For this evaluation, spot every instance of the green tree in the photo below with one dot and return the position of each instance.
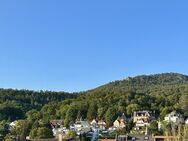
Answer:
(111, 116)
(70, 135)
(33, 115)
(8, 137)
(132, 108)
(33, 133)
(41, 133)
(71, 115)
(122, 131)
(3, 129)
(101, 112)
(92, 111)
(21, 129)
(153, 127)
(62, 111)
(164, 112)
(184, 104)
(129, 125)
(165, 127)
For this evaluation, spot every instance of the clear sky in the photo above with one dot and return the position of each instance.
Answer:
(75, 45)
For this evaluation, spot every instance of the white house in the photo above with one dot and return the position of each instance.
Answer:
(57, 128)
(59, 131)
(174, 117)
(82, 126)
(12, 125)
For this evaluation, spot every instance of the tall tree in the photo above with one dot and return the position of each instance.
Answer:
(111, 115)
(92, 111)
(184, 103)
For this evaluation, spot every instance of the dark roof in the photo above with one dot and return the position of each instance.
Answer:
(55, 123)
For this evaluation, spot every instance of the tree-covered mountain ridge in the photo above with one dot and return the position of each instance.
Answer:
(161, 93)
(145, 83)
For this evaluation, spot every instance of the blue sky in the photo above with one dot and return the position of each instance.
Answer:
(76, 45)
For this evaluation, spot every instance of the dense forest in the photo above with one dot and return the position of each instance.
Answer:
(14, 103)
(160, 93)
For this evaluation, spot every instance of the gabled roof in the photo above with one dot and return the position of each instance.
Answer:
(55, 123)
(122, 118)
(175, 113)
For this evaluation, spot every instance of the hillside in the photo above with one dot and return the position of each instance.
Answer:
(160, 93)
(15, 103)
(160, 89)
(146, 83)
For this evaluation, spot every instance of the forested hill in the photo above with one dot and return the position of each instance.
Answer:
(153, 92)
(161, 93)
(14, 103)
(145, 83)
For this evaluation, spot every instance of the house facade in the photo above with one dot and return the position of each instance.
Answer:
(82, 126)
(174, 117)
(57, 128)
(13, 124)
(120, 122)
(142, 118)
(101, 124)
(94, 123)
(56, 123)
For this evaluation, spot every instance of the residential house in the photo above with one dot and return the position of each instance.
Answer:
(82, 126)
(143, 118)
(174, 117)
(120, 122)
(57, 128)
(13, 124)
(101, 124)
(94, 123)
(56, 123)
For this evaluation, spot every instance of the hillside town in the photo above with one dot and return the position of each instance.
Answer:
(137, 127)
